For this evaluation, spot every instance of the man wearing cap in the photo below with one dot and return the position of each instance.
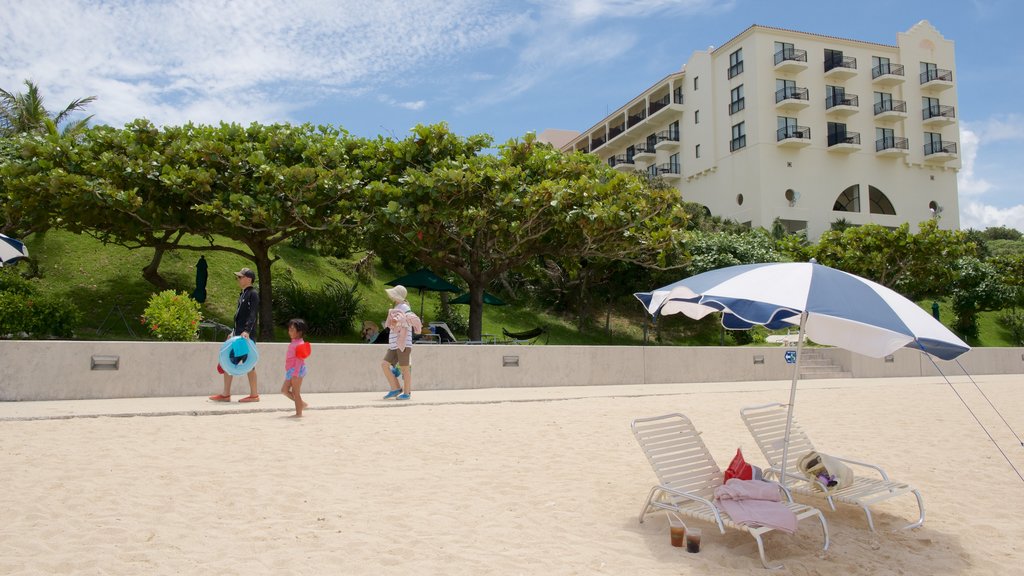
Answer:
(245, 326)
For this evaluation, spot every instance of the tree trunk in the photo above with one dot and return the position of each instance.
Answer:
(151, 271)
(476, 309)
(263, 262)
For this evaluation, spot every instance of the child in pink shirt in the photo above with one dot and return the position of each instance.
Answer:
(295, 364)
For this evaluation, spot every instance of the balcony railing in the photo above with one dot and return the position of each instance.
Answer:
(736, 69)
(936, 74)
(791, 93)
(841, 62)
(643, 148)
(668, 168)
(595, 143)
(737, 105)
(841, 100)
(891, 142)
(803, 132)
(937, 111)
(636, 118)
(737, 143)
(615, 131)
(883, 69)
(890, 106)
(620, 159)
(844, 138)
(658, 104)
(668, 136)
(939, 146)
(790, 54)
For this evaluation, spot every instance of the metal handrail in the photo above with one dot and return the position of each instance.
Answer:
(890, 106)
(636, 118)
(936, 74)
(802, 132)
(844, 62)
(841, 100)
(883, 69)
(891, 142)
(613, 132)
(641, 148)
(936, 111)
(844, 138)
(939, 146)
(790, 54)
(668, 168)
(794, 93)
(668, 135)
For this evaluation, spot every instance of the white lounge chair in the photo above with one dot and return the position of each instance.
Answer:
(688, 475)
(767, 424)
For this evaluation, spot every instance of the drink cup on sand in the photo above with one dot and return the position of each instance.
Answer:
(693, 540)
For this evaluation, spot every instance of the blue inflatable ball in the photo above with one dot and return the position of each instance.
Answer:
(238, 356)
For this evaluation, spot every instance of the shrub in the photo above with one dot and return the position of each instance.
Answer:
(1013, 322)
(457, 322)
(329, 311)
(173, 317)
(36, 316)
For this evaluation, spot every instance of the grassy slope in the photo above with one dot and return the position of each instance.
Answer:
(96, 277)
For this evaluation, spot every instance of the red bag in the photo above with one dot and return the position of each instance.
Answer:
(739, 468)
(303, 350)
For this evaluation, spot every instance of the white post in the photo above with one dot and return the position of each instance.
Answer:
(792, 396)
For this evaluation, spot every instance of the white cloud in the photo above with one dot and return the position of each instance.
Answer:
(258, 60)
(980, 216)
(586, 10)
(968, 183)
(412, 105)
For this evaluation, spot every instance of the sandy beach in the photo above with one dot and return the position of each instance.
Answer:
(499, 481)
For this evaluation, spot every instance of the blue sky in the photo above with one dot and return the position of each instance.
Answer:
(500, 67)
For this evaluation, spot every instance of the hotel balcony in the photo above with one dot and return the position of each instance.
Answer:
(937, 79)
(939, 151)
(792, 99)
(636, 119)
(892, 147)
(938, 115)
(890, 110)
(790, 60)
(621, 162)
(668, 171)
(844, 142)
(642, 152)
(666, 102)
(596, 143)
(840, 68)
(794, 136)
(667, 140)
(843, 105)
(887, 74)
(615, 131)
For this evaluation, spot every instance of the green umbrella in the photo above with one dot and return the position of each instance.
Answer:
(488, 299)
(424, 279)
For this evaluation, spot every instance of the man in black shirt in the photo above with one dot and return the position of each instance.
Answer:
(245, 326)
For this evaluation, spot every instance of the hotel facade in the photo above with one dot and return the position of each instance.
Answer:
(800, 127)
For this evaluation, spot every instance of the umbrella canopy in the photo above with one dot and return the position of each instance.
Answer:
(830, 306)
(424, 279)
(488, 299)
(11, 250)
(202, 276)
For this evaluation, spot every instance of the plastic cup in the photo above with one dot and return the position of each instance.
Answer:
(693, 540)
(677, 533)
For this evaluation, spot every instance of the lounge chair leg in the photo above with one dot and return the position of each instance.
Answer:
(871, 522)
(920, 507)
(647, 504)
(824, 530)
(760, 550)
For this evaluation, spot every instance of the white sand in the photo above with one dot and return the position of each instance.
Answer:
(527, 481)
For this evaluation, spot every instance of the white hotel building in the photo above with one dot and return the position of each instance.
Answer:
(801, 127)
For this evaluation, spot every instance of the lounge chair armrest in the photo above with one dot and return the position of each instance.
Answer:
(789, 495)
(711, 505)
(800, 478)
(865, 465)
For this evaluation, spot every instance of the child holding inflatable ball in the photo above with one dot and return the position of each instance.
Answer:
(295, 364)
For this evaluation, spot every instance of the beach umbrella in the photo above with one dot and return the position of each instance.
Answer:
(830, 307)
(488, 299)
(202, 275)
(424, 280)
(11, 250)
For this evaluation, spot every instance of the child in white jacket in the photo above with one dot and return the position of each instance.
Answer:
(402, 323)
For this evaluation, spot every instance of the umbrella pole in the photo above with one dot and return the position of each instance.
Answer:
(792, 396)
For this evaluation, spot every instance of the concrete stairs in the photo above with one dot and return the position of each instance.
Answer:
(815, 365)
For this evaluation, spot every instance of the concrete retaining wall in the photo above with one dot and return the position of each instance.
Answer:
(62, 370)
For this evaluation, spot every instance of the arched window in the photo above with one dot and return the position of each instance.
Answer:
(879, 202)
(849, 200)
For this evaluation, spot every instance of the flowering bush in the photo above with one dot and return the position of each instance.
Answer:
(172, 316)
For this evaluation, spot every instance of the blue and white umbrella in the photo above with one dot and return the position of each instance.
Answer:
(830, 307)
(11, 250)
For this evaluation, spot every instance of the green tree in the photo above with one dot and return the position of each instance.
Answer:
(481, 215)
(977, 288)
(712, 250)
(25, 112)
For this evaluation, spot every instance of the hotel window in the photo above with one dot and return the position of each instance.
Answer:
(929, 72)
(787, 128)
(677, 95)
(739, 137)
(736, 63)
(736, 102)
(833, 58)
(695, 79)
(696, 116)
(784, 89)
(784, 51)
(879, 66)
(673, 131)
(673, 163)
(652, 140)
(930, 106)
(885, 138)
(696, 151)
(932, 143)
(883, 102)
(834, 96)
(837, 133)
(630, 152)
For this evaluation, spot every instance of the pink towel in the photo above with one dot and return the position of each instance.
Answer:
(753, 502)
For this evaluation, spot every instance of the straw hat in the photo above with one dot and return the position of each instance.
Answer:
(398, 293)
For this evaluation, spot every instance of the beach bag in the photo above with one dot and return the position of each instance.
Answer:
(738, 468)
